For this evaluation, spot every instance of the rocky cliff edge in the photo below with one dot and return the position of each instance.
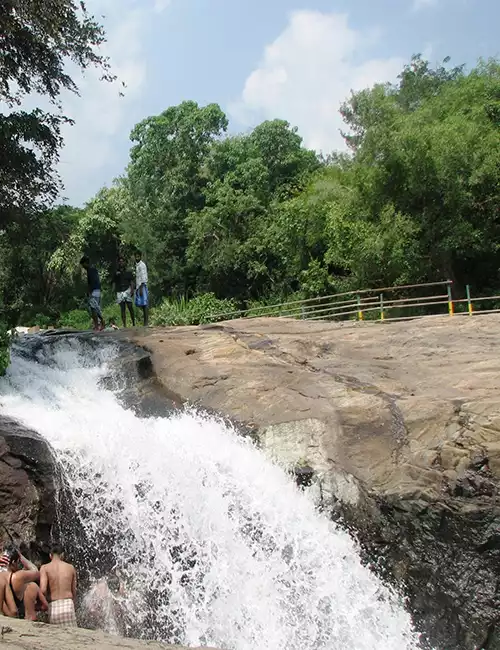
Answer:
(400, 423)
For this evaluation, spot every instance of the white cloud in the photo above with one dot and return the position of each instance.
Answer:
(161, 5)
(308, 71)
(101, 112)
(423, 4)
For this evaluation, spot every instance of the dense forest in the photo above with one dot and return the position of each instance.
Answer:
(230, 221)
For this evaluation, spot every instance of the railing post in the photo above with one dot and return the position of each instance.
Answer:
(450, 300)
(302, 312)
(469, 301)
(382, 315)
(360, 313)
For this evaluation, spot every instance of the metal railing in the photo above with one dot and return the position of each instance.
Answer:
(401, 302)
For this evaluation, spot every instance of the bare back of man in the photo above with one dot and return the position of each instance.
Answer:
(59, 578)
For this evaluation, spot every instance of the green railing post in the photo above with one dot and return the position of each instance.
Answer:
(450, 299)
(382, 315)
(469, 301)
(360, 313)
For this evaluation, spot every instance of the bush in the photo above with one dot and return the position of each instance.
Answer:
(78, 319)
(199, 310)
(43, 321)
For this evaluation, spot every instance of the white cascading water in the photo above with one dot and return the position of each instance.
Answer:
(216, 545)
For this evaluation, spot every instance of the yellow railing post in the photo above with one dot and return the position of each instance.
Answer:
(450, 300)
(382, 315)
(360, 313)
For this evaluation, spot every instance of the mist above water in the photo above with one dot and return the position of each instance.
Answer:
(215, 545)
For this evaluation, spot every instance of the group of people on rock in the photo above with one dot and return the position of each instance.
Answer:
(129, 289)
(26, 590)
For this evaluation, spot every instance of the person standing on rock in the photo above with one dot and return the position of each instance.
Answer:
(59, 577)
(141, 283)
(124, 287)
(94, 294)
(22, 576)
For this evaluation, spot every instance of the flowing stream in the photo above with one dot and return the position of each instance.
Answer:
(214, 544)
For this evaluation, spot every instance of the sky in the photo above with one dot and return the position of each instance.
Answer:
(258, 59)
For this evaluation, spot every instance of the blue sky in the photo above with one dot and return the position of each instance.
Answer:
(259, 59)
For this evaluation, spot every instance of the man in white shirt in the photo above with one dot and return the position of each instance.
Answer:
(141, 283)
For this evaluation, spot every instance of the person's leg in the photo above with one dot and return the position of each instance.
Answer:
(124, 314)
(100, 317)
(145, 315)
(30, 598)
(131, 310)
(95, 320)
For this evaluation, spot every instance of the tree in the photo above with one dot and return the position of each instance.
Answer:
(165, 181)
(97, 234)
(247, 178)
(37, 39)
(428, 149)
(30, 284)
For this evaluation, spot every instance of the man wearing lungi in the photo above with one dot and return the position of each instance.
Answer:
(59, 577)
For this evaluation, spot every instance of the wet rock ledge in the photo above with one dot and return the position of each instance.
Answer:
(400, 425)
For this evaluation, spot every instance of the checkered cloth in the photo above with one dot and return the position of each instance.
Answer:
(62, 612)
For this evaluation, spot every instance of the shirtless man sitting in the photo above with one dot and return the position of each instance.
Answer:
(22, 582)
(59, 578)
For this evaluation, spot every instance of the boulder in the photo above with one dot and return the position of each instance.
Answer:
(399, 422)
(27, 488)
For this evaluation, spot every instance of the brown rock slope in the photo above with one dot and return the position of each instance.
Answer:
(27, 487)
(401, 423)
(21, 635)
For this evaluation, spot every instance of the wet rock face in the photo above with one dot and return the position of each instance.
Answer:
(444, 556)
(27, 488)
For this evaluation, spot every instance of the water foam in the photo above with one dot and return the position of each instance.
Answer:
(216, 543)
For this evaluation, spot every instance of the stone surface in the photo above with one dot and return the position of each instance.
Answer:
(400, 422)
(21, 635)
(27, 488)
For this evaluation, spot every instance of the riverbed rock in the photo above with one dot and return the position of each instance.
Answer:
(20, 635)
(400, 423)
(27, 488)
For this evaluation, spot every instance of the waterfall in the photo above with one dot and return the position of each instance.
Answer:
(213, 543)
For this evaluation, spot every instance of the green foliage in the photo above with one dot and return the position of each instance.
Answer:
(165, 181)
(239, 222)
(4, 348)
(39, 39)
(77, 319)
(201, 309)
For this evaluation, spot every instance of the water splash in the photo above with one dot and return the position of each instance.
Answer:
(215, 544)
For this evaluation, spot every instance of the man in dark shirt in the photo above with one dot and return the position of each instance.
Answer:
(124, 287)
(94, 294)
